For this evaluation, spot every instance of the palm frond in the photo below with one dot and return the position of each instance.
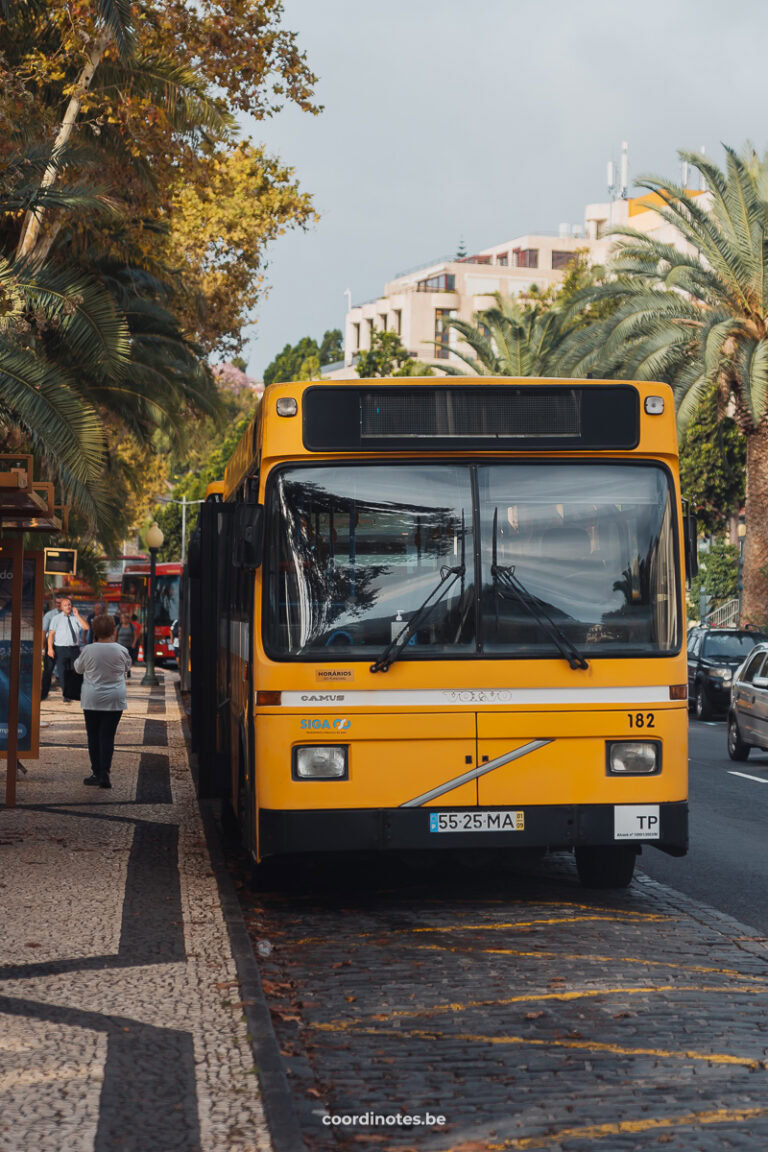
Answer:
(116, 15)
(174, 85)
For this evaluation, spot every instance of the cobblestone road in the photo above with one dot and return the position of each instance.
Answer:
(529, 1013)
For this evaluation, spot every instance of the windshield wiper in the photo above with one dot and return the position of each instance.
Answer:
(448, 577)
(504, 575)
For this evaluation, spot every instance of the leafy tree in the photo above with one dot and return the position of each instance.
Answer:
(718, 577)
(133, 223)
(310, 369)
(712, 458)
(287, 365)
(387, 357)
(143, 93)
(697, 316)
(192, 486)
(332, 346)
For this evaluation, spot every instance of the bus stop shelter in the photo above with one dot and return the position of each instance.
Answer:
(26, 507)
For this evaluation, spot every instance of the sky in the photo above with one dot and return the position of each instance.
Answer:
(446, 120)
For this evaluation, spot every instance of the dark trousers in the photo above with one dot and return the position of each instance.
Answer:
(65, 658)
(48, 663)
(101, 727)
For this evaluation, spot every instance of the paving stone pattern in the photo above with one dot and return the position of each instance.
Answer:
(121, 1026)
(530, 1013)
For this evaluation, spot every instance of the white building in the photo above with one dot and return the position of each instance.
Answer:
(416, 304)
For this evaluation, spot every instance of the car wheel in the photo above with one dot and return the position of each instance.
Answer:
(737, 749)
(606, 866)
(703, 707)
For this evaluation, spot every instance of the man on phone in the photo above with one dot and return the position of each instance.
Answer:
(65, 636)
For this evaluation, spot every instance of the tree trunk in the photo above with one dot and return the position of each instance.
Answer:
(33, 220)
(754, 605)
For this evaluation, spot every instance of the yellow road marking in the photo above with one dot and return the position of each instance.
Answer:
(524, 923)
(581, 1045)
(621, 1127)
(703, 968)
(530, 998)
(646, 917)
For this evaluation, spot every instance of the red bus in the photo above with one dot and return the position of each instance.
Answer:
(135, 587)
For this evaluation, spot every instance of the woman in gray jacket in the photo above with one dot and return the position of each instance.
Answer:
(104, 666)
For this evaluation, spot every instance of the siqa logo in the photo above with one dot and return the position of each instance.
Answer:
(317, 724)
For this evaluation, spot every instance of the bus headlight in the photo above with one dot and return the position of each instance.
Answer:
(633, 758)
(320, 762)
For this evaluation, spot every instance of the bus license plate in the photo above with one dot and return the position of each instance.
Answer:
(477, 821)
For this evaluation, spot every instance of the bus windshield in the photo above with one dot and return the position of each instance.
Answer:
(356, 548)
(167, 600)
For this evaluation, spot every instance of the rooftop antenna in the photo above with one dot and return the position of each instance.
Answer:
(684, 173)
(624, 177)
(610, 177)
(702, 179)
(461, 251)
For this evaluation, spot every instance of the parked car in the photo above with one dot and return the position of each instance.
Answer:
(748, 714)
(714, 654)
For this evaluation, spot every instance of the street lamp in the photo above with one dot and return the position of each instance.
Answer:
(154, 543)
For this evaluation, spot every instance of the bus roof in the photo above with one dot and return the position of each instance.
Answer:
(242, 457)
(385, 416)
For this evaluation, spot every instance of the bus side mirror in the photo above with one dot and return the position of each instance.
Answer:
(690, 541)
(249, 536)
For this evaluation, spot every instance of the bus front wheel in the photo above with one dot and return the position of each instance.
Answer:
(606, 866)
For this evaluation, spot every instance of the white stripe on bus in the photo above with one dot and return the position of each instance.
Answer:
(327, 697)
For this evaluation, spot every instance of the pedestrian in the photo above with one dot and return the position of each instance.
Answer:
(65, 636)
(99, 609)
(48, 660)
(104, 666)
(125, 636)
(136, 637)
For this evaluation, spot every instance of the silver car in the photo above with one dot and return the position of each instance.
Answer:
(748, 714)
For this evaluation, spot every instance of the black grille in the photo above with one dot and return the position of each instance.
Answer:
(486, 413)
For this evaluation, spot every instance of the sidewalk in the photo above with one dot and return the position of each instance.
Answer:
(122, 1027)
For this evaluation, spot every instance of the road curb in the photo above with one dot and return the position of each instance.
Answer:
(744, 936)
(276, 1095)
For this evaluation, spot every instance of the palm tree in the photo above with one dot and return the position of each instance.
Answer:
(509, 340)
(53, 323)
(174, 85)
(697, 315)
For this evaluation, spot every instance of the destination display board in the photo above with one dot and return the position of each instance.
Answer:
(61, 561)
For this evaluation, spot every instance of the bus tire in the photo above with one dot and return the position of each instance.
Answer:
(229, 825)
(606, 866)
(264, 876)
(737, 749)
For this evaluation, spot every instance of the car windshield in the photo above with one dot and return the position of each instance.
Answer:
(730, 645)
(355, 549)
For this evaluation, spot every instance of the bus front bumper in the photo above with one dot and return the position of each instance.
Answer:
(551, 826)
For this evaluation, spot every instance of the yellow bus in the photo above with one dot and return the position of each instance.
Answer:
(433, 615)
